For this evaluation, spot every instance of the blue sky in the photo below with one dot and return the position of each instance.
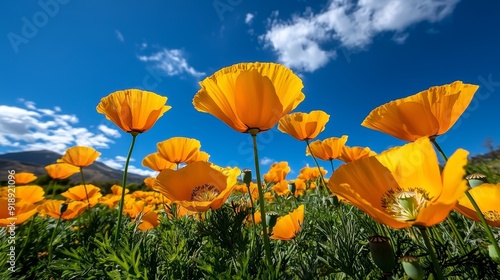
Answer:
(60, 57)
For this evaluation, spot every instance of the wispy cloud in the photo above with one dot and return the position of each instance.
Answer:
(119, 36)
(249, 18)
(172, 62)
(118, 163)
(305, 41)
(109, 131)
(32, 128)
(266, 161)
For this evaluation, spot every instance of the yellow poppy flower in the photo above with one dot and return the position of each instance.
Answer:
(80, 156)
(157, 162)
(249, 96)
(304, 126)
(487, 197)
(23, 178)
(431, 112)
(53, 208)
(179, 149)
(61, 170)
(277, 172)
(349, 154)
(289, 225)
(77, 193)
(133, 110)
(22, 212)
(403, 186)
(30, 194)
(328, 149)
(197, 186)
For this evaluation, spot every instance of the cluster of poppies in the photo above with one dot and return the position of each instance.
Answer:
(401, 187)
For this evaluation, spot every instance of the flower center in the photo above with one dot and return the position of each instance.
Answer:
(405, 204)
(492, 216)
(204, 192)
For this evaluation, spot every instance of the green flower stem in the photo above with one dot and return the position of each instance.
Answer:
(476, 207)
(251, 203)
(27, 237)
(124, 182)
(85, 187)
(331, 163)
(483, 221)
(267, 247)
(433, 140)
(430, 249)
(457, 235)
(317, 164)
(51, 184)
(52, 238)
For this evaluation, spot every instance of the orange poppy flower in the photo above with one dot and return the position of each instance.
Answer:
(61, 170)
(304, 126)
(179, 149)
(53, 209)
(197, 186)
(249, 96)
(328, 149)
(277, 172)
(309, 173)
(80, 156)
(117, 190)
(30, 194)
(157, 162)
(487, 197)
(349, 154)
(289, 225)
(281, 188)
(431, 112)
(133, 110)
(149, 221)
(23, 178)
(77, 193)
(403, 186)
(22, 212)
(149, 182)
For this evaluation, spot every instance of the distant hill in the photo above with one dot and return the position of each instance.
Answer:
(35, 162)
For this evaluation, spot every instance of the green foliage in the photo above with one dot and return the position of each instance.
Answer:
(223, 244)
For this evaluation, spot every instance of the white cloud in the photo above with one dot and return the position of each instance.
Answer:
(31, 128)
(249, 18)
(119, 36)
(266, 161)
(171, 62)
(109, 131)
(304, 42)
(142, 172)
(119, 162)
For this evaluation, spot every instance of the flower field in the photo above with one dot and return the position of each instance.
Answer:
(410, 212)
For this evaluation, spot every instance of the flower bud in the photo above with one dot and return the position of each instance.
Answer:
(292, 187)
(271, 218)
(475, 179)
(412, 267)
(247, 176)
(382, 253)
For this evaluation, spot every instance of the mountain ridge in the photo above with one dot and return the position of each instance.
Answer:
(35, 162)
